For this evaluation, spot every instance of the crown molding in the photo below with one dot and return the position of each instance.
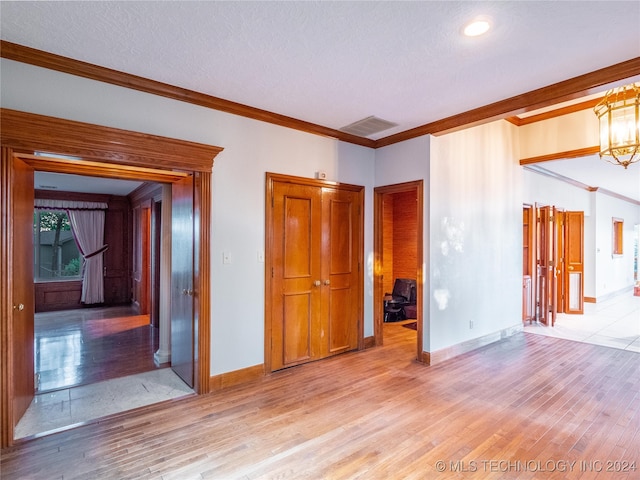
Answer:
(566, 90)
(39, 58)
(556, 176)
(579, 152)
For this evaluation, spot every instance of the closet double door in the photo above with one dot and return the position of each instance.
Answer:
(314, 271)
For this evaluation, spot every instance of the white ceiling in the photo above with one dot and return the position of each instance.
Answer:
(333, 63)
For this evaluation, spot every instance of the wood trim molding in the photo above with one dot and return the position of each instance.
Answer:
(134, 150)
(570, 89)
(29, 133)
(547, 173)
(59, 63)
(202, 278)
(237, 377)
(579, 152)
(589, 299)
(369, 342)
(558, 112)
(378, 314)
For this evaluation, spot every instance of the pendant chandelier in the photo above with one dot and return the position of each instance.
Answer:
(619, 117)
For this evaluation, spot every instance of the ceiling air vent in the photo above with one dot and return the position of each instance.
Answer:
(368, 126)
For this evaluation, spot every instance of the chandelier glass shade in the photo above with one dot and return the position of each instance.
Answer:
(619, 118)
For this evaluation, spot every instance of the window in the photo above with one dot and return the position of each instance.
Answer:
(618, 229)
(56, 255)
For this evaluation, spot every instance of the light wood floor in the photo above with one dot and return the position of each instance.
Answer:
(525, 407)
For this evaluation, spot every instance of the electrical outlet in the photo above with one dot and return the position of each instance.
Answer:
(226, 257)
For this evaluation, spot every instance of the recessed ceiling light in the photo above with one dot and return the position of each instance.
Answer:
(478, 26)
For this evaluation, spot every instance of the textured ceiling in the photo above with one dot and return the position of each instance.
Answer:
(334, 63)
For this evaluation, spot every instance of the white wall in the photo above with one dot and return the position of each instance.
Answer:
(476, 234)
(407, 162)
(473, 228)
(613, 272)
(251, 148)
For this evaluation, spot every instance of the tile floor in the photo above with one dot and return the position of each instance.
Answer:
(61, 409)
(611, 323)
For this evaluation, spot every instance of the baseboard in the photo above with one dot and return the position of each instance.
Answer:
(609, 295)
(369, 342)
(229, 379)
(439, 356)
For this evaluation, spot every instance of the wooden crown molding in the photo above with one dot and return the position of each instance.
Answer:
(566, 90)
(570, 89)
(59, 63)
(578, 152)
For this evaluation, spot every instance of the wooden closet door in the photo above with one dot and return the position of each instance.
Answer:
(340, 269)
(314, 242)
(297, 287)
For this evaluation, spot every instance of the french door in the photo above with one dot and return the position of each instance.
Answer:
(558, 256)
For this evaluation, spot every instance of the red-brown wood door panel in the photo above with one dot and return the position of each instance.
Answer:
(297, 287)
(574, 262)
(340, 275)
(22, 325)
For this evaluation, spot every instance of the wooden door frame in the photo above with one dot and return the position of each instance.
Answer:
(112, 153)
(272, 178)
(378, 308)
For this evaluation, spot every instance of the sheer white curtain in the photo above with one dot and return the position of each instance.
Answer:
(88, 229)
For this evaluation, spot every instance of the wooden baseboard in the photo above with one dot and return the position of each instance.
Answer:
(229, 379)
(590, 299)
(439, 356)
(369, 342)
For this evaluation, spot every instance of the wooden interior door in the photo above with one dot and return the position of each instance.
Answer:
(528, 262)
(574, 262)
(182, 292)
(22, 324)
(542, 265)
(559, 259)
(313, 243)
(547, 259)
(297, 276)
(340, 218)
(553, 261)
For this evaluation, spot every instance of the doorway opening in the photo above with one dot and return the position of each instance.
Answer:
(398, 260)
(108, 153)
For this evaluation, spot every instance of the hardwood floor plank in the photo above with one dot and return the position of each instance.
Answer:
(376, 414)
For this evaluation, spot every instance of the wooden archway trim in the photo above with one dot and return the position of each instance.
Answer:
(28, 132)
(111, 153)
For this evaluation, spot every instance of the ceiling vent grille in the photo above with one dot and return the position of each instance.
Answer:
(368, 126)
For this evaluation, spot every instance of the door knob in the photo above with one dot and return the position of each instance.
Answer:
(327, 282)
(317, 283)
(19, 307)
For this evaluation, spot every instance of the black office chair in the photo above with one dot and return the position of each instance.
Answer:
(403, 295)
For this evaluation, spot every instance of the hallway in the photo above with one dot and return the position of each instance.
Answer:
(612, 323)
